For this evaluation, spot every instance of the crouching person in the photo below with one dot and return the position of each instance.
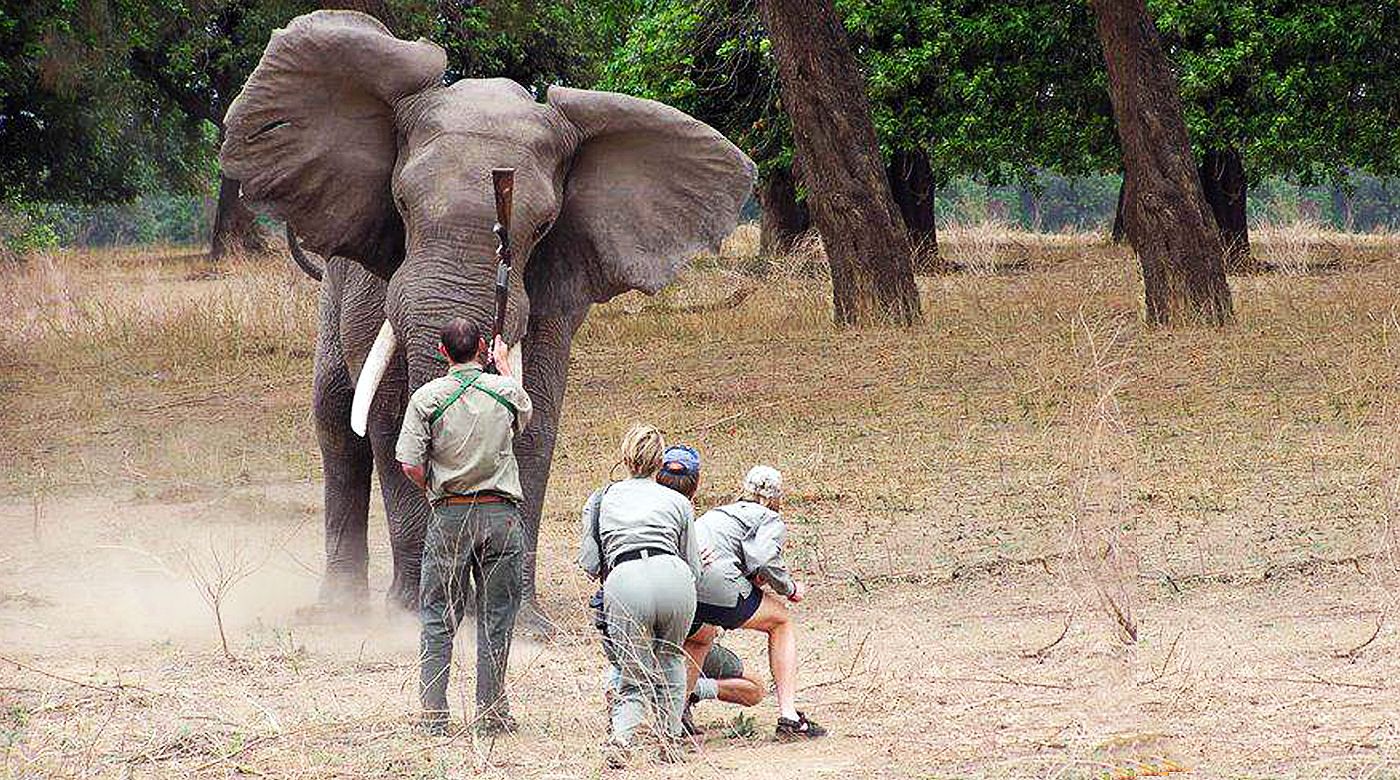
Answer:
(638, 538)
(744, 548)
(456, 444)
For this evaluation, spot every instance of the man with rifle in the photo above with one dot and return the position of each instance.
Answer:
(456, 444)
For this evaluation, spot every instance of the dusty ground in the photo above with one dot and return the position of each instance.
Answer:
(1042, 541)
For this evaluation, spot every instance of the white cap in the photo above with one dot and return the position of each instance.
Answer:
(764, 481)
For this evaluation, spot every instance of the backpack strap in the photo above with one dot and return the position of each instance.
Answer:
(468, 382)
(597, 521)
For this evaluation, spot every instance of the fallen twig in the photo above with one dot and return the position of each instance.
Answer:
(1040, 654)
(736, 415)
(850, 668)
(1004, 679)
(1165, 661)
(114, 690)
(1317, 679)
(1355, 652)
(728, 302)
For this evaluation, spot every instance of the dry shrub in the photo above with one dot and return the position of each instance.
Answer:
(743, 242)
(806, 259)
(1099, 461)
(979, 248)
(995, 246)
(118, 303)
(1307, 246)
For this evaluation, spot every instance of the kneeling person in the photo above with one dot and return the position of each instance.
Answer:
(456, 444)
(745, 542)
(639, 539)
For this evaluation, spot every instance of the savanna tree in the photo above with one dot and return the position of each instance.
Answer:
(824, 96)
(1167, 219)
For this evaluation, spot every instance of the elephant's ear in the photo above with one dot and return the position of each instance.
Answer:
(649, 187)
(311, 138)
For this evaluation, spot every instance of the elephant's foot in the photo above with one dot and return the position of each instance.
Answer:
(402, 596)
(534, 622)
(334, 609)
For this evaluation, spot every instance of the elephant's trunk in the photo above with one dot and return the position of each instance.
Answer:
(370, 375)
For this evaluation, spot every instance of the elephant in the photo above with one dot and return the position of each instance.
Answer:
(352, 137)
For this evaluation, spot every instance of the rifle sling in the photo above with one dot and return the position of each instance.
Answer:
(597, 521)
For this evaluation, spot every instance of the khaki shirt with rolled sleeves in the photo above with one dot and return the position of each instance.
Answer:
(637, 514)
(468, 448)
(746, 539)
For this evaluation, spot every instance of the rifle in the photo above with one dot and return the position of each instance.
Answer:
(503, 183)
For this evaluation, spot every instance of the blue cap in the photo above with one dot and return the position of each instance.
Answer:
(681, 459)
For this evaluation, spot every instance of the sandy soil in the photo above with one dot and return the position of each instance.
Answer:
(112, 668)
(1042, 541)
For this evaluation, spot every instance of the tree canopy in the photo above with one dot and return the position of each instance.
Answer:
(1307, 90)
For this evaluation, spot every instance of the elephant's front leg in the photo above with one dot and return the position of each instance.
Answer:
(546, 374)
(347, 461)
(405, 506)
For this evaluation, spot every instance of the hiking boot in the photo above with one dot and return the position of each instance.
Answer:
(616, 755)
(688, 726)
(789, 730)
(496, 725)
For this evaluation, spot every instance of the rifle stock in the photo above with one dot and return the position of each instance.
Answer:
(503, 185)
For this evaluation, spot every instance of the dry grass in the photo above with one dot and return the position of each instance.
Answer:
(1027, 459)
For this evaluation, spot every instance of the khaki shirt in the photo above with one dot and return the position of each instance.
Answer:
(747, 542)
(637, 514)
(468, 448)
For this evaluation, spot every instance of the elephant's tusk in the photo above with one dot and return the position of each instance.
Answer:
(373, 371)
(517, 362)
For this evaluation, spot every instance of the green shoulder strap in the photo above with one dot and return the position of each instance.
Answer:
(467, 383)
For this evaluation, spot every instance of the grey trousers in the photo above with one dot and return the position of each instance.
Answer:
(649, 604)
(469, 547)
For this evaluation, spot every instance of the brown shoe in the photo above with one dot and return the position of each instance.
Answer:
(789, 730)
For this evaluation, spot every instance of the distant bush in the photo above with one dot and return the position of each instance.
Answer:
(153, 219)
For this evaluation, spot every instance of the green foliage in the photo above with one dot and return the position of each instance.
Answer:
(534, 42)
(711, 59)
(993, 89)
(73, 124)
(24, 228)
(103, 100)
(1299, 88)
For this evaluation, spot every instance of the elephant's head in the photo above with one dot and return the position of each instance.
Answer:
(349, 135)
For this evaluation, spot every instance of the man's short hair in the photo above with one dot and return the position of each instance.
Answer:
(461, 337)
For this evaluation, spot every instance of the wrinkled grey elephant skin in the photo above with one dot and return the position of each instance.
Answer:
(349, 135)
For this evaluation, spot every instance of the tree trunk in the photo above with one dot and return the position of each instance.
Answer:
(1225, 189)
(782, 217)
(823, 93)
(911, 184)
(1119, 230)
(1168, 222)
(1030, 209)
(235, 229)
(1341, 208)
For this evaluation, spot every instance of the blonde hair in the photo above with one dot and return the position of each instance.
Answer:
(642, 447)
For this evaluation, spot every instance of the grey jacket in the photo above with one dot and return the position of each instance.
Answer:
(747, 541)
(638, 514)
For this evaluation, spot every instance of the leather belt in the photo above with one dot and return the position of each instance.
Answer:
(474, 498)
(637, 555)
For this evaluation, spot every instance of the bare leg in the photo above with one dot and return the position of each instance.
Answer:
(696, 648)
(774, 619)
(746, 691)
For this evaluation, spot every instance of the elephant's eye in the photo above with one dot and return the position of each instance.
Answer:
(267, 128)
